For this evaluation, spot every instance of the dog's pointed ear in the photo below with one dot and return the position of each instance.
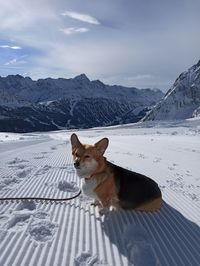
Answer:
(75, 141)
(102, 145)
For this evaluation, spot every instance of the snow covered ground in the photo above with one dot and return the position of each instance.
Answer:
(73, 233)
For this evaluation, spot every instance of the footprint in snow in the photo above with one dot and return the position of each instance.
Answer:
(162, 187)
(142, 156)
(23, 173)
(9, 181)
(27, 218)
(18, 221)
(43, 170)
(157, 160)
(53, 148)
(42, 230)
(18, 166)
(26, 205)
(41, 214)
(63, 186)
(19, 218)
(172, 168)
(87, 259)
(139, 246)
(188, 173)
(16, 160)
(3, 218)
(67, 186)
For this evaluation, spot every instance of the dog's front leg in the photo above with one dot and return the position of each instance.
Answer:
(105, 206)
(96, 203)
(103, 209)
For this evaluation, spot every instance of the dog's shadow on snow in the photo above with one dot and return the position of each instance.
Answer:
(164, 237)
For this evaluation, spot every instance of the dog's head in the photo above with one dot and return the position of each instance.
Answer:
(88, 159)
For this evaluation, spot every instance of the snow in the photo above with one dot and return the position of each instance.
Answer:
(74, 233)
(15, 137)
(140, 246)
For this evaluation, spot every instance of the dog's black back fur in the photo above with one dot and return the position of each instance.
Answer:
(134, 189)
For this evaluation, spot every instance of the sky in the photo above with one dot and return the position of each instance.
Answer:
(135, 43)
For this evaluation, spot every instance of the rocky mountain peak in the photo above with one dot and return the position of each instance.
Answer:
(181, 100)
(82, 77)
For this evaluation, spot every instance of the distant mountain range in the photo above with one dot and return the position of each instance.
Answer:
(182, 100)
(50, 104)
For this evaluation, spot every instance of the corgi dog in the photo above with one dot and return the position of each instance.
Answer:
(109, 184)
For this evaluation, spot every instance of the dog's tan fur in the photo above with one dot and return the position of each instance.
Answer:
(150, 206)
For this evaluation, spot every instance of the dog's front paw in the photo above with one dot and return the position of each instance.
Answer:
(96, 203)
(103, 211)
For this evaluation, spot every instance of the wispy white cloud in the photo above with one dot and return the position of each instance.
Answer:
(72, 30)
(11, 62)
(16, 61)
(10, 47)
(81, 17)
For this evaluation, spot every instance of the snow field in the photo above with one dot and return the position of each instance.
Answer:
(74, 233)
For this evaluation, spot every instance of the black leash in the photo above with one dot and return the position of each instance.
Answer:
(41, 199)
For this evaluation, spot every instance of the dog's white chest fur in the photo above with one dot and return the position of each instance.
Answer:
(88, 187)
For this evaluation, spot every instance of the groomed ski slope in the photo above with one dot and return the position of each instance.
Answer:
(73, 233)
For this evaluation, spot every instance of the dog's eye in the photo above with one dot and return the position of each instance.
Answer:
(87, 156)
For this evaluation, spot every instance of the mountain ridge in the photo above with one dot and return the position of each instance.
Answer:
(49, 104)
(182, 100)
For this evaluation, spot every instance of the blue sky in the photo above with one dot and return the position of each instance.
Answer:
(142, 43)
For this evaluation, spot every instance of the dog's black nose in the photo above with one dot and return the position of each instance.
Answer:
(76, 164)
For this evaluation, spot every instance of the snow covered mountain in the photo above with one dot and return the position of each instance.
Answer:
(50, 104)
(196, 112)
(182, 100)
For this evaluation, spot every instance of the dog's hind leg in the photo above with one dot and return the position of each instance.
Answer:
(150, 206)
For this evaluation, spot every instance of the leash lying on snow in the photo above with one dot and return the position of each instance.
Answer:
(41, 199)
